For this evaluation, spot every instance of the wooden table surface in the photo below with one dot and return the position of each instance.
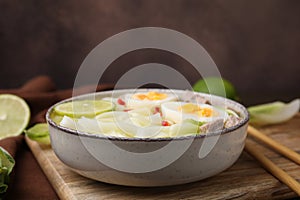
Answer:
(246, 179)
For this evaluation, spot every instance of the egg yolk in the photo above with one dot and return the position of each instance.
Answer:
(152, 96)
(195, 109)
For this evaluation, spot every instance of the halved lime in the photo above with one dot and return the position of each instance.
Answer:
(39, 133)
(87, 108)
(14, 115)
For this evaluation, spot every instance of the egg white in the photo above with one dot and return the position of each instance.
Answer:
(133, 103)
(171, 112)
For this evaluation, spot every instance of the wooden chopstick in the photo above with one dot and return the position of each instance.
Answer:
(273, 169)
(267, 163)
(285, 151)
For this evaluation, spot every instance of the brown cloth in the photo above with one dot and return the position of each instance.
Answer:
(27, 180)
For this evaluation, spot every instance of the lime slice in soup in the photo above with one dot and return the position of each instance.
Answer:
(14, 115)
(87, 108)
(56, 118)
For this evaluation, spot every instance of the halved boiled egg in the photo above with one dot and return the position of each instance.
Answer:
(179, 111)
(148, 99)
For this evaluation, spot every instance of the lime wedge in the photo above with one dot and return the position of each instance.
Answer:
(14, 115)
(87, 108)
(39, 133)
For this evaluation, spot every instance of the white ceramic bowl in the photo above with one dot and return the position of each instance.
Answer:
(148, 162)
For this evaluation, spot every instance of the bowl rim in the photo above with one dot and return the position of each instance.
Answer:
(115, 138)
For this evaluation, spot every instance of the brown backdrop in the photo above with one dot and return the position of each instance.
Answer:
(255, 44)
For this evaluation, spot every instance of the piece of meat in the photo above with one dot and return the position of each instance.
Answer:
(190, 96)
(231, 121)
(211, 127)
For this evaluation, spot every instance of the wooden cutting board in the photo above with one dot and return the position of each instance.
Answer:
(244, 180)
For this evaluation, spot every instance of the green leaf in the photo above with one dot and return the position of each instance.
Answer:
(6, 166)
(273, 113)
